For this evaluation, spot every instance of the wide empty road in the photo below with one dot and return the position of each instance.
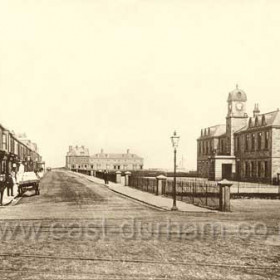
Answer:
(77, 229)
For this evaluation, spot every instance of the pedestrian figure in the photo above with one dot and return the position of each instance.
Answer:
(2, 187)
(10, 184)
(105, 176)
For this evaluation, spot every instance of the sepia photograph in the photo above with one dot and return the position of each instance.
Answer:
(139, 139)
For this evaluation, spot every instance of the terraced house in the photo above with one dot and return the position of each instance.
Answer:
(15, 149)
(78, 158)
(245, 148)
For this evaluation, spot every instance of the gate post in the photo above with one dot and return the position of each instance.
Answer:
(127, 175)
(224, 186)
(160, 178)
(118, 177)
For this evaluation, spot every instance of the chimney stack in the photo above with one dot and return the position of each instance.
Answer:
(256, 111)
(70, 148)
(127, 151)
(102, 151)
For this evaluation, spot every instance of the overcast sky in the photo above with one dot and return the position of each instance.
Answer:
(125, 73)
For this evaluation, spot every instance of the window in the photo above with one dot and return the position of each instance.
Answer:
(237, 144)
(247, 142)
(253, 169)
(222, 146)
(266, 140)
(4, 142)
(247, 169)
(259, 141)
(253, 142)
(266, 169)
(259, 169)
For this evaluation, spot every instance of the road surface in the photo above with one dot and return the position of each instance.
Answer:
(78, 229)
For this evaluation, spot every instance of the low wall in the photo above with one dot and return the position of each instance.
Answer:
(244, 189)
(197, 192)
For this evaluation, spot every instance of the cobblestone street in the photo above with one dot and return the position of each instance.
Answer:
(77, 229)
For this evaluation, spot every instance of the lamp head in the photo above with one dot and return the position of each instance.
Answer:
(175, 140)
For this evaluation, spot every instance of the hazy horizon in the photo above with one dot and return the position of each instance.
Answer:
(124, 74)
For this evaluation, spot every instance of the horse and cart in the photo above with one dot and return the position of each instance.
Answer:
(28, 181)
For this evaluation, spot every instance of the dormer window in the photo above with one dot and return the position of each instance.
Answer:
(263, 120)
(256, 121)
(250, 122)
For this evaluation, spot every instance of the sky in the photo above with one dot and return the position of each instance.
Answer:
(124, 74)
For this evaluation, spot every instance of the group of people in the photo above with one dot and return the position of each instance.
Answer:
(8, 180)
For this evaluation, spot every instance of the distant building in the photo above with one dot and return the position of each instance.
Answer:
(78, 158)
(245, 148)
(16, 149)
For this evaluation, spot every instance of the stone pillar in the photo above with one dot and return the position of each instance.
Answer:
(160, 179)
(224, 186)
(127, 174)
(118, 177)
(91, 173)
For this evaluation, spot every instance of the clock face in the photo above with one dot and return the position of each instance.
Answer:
(239, 106)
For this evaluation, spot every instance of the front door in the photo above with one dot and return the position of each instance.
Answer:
(226, 171)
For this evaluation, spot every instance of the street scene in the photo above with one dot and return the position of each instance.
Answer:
(139, 140)
(79, 229)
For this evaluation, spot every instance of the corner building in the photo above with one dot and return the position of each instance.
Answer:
(245, 148)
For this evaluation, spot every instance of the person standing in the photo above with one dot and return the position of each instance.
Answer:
(105, 175)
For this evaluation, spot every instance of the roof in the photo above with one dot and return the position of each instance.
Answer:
(78, 151)
(262, 120)
(237, 95)
(213, 131)
(114, 156)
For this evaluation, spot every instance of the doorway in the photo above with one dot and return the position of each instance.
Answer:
(226, 171)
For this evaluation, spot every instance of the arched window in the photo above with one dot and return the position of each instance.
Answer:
(259, 140)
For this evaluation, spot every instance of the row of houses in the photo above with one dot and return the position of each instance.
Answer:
(16, 149)
(245, 148)
(79, 158)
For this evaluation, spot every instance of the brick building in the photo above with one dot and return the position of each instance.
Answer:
(15, 149)
(245, 148)
(78, 158)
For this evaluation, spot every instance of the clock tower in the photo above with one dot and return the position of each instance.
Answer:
(236, 116)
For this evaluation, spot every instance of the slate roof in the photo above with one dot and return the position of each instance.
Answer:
(78, 151)
(262, 120)
(213, 131)
(114, 156)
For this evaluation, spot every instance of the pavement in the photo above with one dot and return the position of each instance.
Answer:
(161, 202)
(77, 229)
(9, 199)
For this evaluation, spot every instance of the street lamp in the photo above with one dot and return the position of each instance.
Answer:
(175, 141)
